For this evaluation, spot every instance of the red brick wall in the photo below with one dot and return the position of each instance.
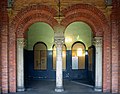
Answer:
(114, 55)
(0, 42)
(115, 18)
(12, 61)
(118, 29)
(119, 44)
(4, 49)
(118, 19)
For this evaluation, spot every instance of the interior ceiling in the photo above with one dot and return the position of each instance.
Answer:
(18, 4)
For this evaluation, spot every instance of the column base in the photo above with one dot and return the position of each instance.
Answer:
(59, 89)
(20, 89)
(98, 89)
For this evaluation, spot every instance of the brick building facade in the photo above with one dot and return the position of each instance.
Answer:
(14, 23)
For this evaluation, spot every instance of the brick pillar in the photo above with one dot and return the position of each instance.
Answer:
(119, 54)
(0, 44)
(119, 46)
(107, 62)
(0, 65)
(12, 60)
(4, 61)
(114, 58)
(118, 19)
(4, 46)
(115, 46)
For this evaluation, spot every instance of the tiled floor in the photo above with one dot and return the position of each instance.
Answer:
(47, 87)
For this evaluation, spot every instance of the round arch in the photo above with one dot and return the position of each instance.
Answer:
(78, 31)
(18, 26)
(80, 12)
(100, 26)
(40, 42)
(34, 13)
(80, 43)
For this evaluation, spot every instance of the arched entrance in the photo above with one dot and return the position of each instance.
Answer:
(19, 26)
(17, 29)
(78, 39)
(39, 67)
(99, 25)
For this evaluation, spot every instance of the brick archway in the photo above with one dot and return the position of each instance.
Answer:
(32, 14)
(20, 23)
(99, 24)
(80, 12)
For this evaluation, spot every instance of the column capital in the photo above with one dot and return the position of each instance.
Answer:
(20, 42)
(97, 41)
(59, 38)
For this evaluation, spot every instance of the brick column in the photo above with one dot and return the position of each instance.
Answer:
(20, 65)
(98, 63)
(0, 64)
(115, 20)
(4, 63)
(119, 55)
(59, 40)
(4, 47)
(114, 54)
(0, 69)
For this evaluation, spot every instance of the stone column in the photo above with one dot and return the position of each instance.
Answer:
(98, 63)
(59, 40)
(20, 64)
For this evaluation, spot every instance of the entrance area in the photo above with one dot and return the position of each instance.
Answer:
(78, 55)
(80, 43)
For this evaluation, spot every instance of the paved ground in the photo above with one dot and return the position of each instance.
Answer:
(47, 87)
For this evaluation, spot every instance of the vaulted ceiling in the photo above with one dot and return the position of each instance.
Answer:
(18, 4)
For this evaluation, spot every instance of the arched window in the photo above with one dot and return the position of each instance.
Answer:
(40, 56)
(78, 55)
(63, 57)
